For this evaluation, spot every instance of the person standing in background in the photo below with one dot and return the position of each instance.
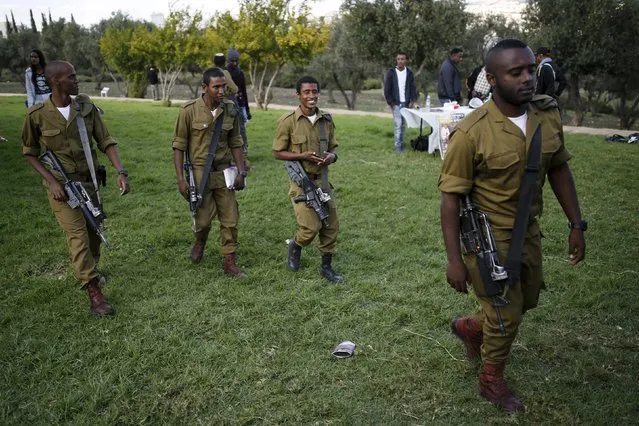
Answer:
(400, 92)
(242, 98)
(38, 89)
(152, 75)
(449, 86)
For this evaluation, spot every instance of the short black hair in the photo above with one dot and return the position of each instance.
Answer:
(456, 50)
(505, 44)
(401, 52)
(306, 79)
(210, 73)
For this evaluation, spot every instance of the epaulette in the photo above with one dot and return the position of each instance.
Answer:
(471, 119)
(35, 108)
(229, 107)
(286, 115)
(189, 103)
(326, 115)
(544, 102)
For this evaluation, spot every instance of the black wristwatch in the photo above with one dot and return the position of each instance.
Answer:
(582, 224)
(124, 172)
(244, 173)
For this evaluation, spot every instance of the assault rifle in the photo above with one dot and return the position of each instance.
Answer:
(77, 196)
(195, 199)
(476, 238)
(313, 196)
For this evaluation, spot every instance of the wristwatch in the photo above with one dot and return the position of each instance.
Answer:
(244, 173)
(582, 224)
(124, 172)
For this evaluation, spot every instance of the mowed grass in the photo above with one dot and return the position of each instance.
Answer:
(189, 345)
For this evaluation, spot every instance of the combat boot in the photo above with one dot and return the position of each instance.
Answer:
(230, 268)
(198, 251)
(327, 270)
(494, 388)
(294, 255)
(98, 305)
(469, 331)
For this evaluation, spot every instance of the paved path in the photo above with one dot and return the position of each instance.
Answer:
(335, 111)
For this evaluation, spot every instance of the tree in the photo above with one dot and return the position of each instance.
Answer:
(173, 47)
(33, 24)
(9, 29)
(44, 21)
(271, 34)
(13, 20)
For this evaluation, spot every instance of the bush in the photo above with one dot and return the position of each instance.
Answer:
(372, 83)
(7, 75)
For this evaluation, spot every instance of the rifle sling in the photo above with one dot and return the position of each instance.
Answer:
(84, 137)
(211, 155)
(323, 150)
(526, 192)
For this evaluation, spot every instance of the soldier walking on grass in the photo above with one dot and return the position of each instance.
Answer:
(208, 131)
(488, 158)
(57, 126)
(299, 137)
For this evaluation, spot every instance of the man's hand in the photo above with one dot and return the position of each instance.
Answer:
(311, 156)
(123, 184)
(239, 183)
(329, 158)
(57, 190)
(248, 115)
(576, 246)
(183, 187)
(458, 276)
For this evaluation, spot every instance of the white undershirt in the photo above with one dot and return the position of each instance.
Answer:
(65, 111)
(311, 118)
(520, 121)
(214, 112)
(401, 83)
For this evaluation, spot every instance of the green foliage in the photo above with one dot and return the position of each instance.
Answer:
(116, 46)
(372, 83)
(191, 346)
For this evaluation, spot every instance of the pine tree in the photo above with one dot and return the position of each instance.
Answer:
(33, 24)
(15, 27)
(8, 24)
(50, 20)
(72, 19)
(44, 21)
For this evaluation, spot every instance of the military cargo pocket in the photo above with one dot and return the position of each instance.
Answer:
(504, 170)
(199, 127)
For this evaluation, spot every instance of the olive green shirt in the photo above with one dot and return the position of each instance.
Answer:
(487, 154)
(231, 87)
(45, 127)
(296, 134)
(196, 124)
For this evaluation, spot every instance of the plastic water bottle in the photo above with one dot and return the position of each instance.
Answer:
(428, 103)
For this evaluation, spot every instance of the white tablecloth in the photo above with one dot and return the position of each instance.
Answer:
(416, 117)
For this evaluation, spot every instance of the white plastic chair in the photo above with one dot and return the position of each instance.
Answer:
(104, 92)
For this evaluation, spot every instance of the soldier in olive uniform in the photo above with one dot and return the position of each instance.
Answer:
(486, 159)
(298, 138)
(53, 125)
(193, 131)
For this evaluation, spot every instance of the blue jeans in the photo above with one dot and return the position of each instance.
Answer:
(400, 125)
(243, 121)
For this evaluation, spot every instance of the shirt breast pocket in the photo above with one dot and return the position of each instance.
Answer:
(299, 144)
(52, 139)
(504, 169)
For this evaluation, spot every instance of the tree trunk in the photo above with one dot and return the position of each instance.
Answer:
(268, 97)
(575, 100)
(331, 95)
(341, 89)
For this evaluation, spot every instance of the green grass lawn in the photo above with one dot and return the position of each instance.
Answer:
(189, 345)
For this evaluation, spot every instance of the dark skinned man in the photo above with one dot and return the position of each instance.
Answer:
(193, 131)
(486, 159)
(53, 125)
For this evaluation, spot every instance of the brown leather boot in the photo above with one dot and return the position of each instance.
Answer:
(98, 304)
(230, 268)
(494, 388)
(198, 251)
(469, 331)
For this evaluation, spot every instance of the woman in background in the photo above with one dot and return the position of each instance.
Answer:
(37, 88)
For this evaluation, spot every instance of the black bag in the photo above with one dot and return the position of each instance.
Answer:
(420, 143)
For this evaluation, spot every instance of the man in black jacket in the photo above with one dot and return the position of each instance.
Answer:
(550, 79)
(242, 99)
(400, 91)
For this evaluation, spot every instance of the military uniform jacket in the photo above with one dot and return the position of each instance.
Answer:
(296, 134)
(487, 155)
(45, 127)
(196, 125)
